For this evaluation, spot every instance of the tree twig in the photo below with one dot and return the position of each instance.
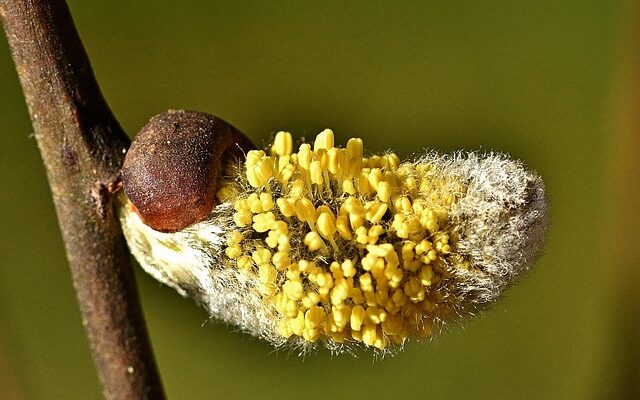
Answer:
(82, 146)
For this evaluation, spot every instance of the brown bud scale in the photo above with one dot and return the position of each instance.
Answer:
(172, 168)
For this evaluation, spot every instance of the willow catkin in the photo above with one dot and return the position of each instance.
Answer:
(328, 246)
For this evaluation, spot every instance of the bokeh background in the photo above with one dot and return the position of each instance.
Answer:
(551, 83)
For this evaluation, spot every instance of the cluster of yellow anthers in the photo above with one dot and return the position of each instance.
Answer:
(344, 246)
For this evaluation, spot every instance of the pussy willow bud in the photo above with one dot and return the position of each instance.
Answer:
(328, 246)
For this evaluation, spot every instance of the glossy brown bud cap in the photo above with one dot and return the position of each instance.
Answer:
(172, 168)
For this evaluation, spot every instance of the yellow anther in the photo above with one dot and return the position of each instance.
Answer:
(283, 161)
(376, 315)
(414, 290)
(293, 272)
(354, 206)
(306, 266)
(315, 171)
(240, 205)
(402, 204)
(286, 172)
(429, 220)
(344, 161)
(412, 266)
(426, 275)
(233, 251)
(314, 272)
(325, 281)
(366, 282)
(375, 176)
(282, 144)
(370, 298)
(266, 201)
(391, 161)
(322, 156)
(310, 299)
(362, 236)
(347, 186)
(286, 206)
(363, 182)
(261, 256)
(355, 147)
(377, 270)
(348, 269)
(432, 255)
(280, 226)
(293, 289)
(305, 211)
(399, 226)
(333, 163)
(313, 241)
(311, 334)
(423, 247)
(382, 250)
(358, 317)
(369, 335)
(304, 156)
(375, 211)
(373, 233)
(356, 221)
(340, 292)
(314, 317)
(234, 238)
(284, 243)
(399, 297)
(336, 270)
(384, 191)
(324, 140)
(262, 222)
(267, 275)
(254, 203)
(244, 263)
(242, 218)
(341, 316)
(407, 251)
(253, 156)
(396, 278)
(369, 261)
(392, 259)
(281, 260)
(264, 170)
(326, 224)
(324, 209)
(285, 305)
(342, 225)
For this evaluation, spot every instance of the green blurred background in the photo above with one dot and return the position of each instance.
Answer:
(536, 80)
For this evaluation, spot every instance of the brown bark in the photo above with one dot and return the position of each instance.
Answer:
(82, 147)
